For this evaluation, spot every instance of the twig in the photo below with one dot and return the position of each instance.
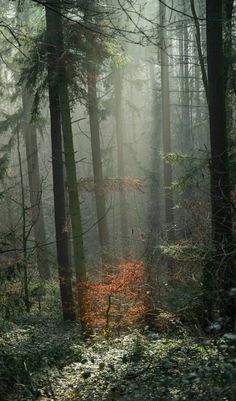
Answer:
(107, 312)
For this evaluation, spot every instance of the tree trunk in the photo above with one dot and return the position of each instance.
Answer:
(153, 212)
(74, 203)
(35, 186)
(198, 114)
(154, 217)
(220, 185)
(166, 129)
(199, 47)
(24, 231)
(181, 72)
(57, 165)
(120, 159)
(185, 95)
(97, 164)
(228, 13)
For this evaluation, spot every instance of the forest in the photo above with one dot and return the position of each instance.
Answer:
(118, 200)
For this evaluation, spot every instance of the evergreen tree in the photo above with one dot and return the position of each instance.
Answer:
(53, 21)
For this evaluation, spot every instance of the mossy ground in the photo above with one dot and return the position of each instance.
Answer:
(43, 359)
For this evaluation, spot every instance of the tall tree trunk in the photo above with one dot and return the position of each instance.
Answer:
(35, 186)
(199, 47)
(57, 164)
(220, 185)
(181, 71)
(198, 100)
(166, 129)
(153, 213)
(97, 164)
(185, 94)
(74, 203)
(134, 137)
(120, 159)
(184, 87)
(24, 231)
(228, 13)
(154, 208)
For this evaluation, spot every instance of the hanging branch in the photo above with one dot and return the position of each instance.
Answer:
(3, 25)
(179, 11)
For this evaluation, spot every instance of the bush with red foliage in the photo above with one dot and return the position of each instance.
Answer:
(117, 301)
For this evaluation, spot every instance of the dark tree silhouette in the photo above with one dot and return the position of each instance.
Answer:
(220, 185)
(53, 22)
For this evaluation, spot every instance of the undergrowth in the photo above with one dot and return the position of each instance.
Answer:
(47, 360)
(31, 347)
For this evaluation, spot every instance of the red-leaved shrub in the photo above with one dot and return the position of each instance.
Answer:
(118, 300)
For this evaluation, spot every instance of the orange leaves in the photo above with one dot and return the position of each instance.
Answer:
(118, 300)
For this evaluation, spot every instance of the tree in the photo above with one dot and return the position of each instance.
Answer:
(166, 128)
(120, 157)
(57, 161)
(97, 162)
(94, 56)
(24, 230)
(199, 47)
(221, 217)
(185, 95)
(35, 185)
(74, 203)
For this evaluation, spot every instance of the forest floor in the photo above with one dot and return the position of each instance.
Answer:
(45, 360)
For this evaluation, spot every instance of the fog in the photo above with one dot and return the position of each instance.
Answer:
(105, 140)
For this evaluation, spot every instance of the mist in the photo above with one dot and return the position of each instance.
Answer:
(117, 165)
